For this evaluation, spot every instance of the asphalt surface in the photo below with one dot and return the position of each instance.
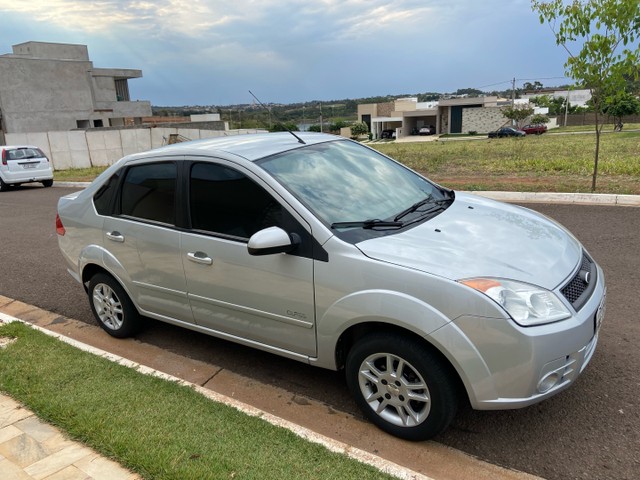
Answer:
(591, 431)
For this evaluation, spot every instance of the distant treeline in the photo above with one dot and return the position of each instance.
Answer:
(252, 115)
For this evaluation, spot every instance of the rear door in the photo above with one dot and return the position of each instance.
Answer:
(142, 238)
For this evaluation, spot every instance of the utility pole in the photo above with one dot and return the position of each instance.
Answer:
(513, 98)
(566, 107)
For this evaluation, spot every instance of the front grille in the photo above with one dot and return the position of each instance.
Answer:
(577, 291)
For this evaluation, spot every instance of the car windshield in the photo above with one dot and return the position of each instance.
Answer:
(344, 182)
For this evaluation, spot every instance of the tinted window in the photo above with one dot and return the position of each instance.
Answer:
(149, 192)
(102, 198)
(225, 201)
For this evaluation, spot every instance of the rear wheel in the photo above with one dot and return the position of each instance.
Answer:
(47, 183)
(401, 386)
(3, 186)
(112, 307)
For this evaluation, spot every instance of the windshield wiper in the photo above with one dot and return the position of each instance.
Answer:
(437, 205)
(371, 223)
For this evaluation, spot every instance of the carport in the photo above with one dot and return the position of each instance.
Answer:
(415, 120)
(378, 124)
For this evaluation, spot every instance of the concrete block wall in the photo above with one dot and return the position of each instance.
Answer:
(482, 120)
(100, 148)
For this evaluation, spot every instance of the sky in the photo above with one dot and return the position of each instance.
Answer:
(211, 52)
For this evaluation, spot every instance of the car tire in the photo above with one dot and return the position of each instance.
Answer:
(112, 307)
(47, 183)
(402, 386)
(3, 186)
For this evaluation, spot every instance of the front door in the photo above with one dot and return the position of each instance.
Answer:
(267, 300)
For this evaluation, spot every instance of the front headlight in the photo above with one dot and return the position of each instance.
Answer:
(527, 304)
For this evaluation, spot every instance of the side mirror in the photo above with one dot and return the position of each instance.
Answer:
(272, 240)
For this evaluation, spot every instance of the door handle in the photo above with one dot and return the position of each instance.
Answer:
(115, 236)
(200, 257)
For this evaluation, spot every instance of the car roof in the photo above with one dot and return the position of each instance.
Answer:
(10, 147)
(250, 146)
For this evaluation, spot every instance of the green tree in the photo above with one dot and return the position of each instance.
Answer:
(539, 118)
(621, 105)
(359, 128)
(338, 124)
(314, 128)
(284, 127)
(599, 37)
(556, 105)
(471, 92)
(518, 113)
(532, 86)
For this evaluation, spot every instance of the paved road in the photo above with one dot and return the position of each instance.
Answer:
(591, 431)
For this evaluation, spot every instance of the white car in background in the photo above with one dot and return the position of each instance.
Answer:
(24, 164)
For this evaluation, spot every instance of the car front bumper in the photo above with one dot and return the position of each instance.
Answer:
(504, 365)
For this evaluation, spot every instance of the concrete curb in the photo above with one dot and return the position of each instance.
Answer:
(518, 197)
(567, 198)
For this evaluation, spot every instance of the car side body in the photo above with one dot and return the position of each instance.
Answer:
(535, 129)
(506, 132)
(253, 239)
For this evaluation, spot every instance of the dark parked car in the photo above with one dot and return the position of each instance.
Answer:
(507, 132)
(535, 129)
(388, 134)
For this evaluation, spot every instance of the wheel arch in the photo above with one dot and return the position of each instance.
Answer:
(356, 332)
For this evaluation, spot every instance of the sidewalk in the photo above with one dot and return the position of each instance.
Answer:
(31, 449)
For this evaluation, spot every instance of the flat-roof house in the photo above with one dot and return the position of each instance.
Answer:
(54, 86)
(455, 115)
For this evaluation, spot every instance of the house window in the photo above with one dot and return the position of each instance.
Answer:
(97, 123)
(122, 90)
(83, 123)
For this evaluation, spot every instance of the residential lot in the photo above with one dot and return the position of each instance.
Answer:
(590, 431)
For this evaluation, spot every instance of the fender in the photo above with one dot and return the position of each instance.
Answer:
(383, 306)
(98, 255)
(414, 315)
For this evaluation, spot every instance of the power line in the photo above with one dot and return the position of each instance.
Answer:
(520, 80)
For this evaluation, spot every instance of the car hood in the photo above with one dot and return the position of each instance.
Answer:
(477, 237)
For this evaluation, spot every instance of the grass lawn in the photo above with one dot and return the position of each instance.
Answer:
(549, 162)
(154, 427)
(558, 161)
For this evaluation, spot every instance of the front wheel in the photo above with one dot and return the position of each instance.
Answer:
(112, 307)
(47, 183)
(402, 386)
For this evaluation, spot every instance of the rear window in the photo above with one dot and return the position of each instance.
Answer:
(23, 153)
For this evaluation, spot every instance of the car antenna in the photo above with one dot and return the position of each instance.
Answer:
(288, 130)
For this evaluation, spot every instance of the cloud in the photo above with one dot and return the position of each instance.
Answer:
(295, 49)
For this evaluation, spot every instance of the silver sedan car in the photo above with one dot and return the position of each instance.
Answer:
(322, 250)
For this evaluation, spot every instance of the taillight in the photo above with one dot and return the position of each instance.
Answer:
(59, 227)
(4, 156)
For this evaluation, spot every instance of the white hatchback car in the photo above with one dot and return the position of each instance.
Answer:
(322, 250)
(24, 164)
